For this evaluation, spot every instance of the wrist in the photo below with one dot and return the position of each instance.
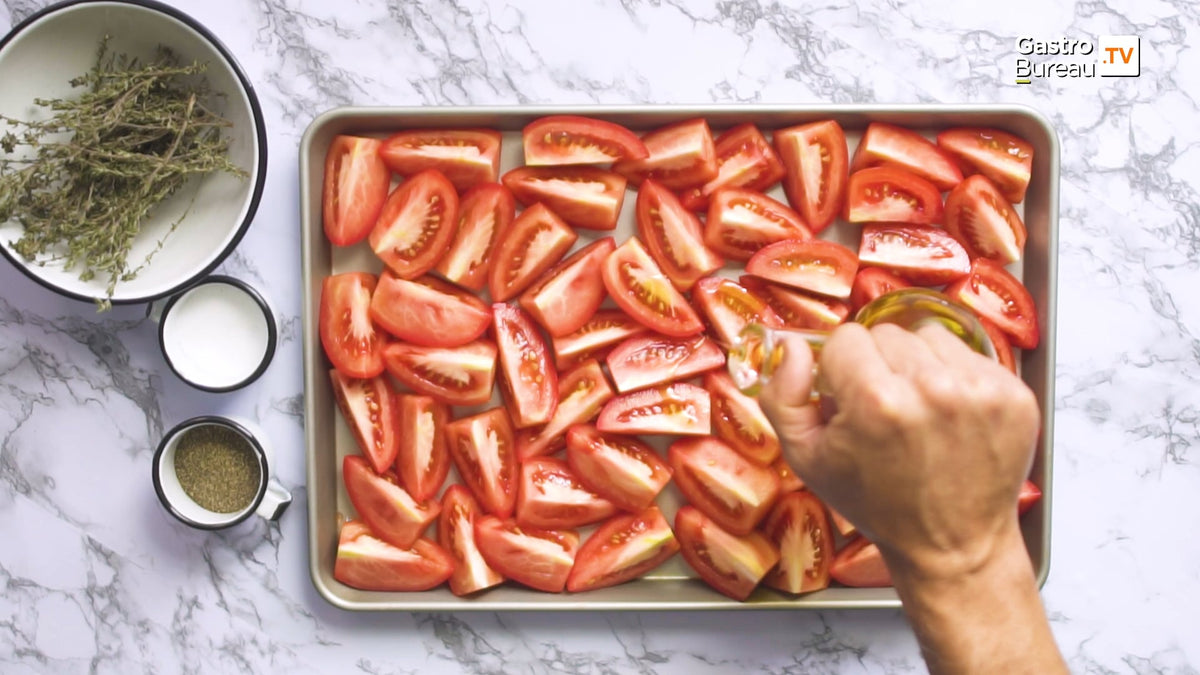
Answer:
(995, 554)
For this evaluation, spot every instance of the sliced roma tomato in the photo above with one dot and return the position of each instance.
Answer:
(370, 564)
(456, 534)
(350, 339)
(552, 497)
(485, 213)
(798, 527)
(584, 196)
(623, 470)
(368, 406)
(604, 329)
(570, 139)
(623, 549)
(1030, 495)
(823, 267)
(454, 375)
(467, 157)
(788, 480)
(416, 225)
(729, 307)
(567, 295)
(730, 489)
(528, 381)
(677, 408)
(744, 159)
(885, 194)
(842, 524)
(485, 455)
(682, 156)
(647, 360)
(581, 394)
(391, 513)
(738, 420)
(740, 222)
(884, 144)
(872, 282)
(638, 286)
(1000, 345)
(999, 297)
(815, 159)
(731, 564)
(428, 312)
(999, 155)
(537, 239)
(860, 565)
(422, 462)
(672, 235)
(540, 559)
(979, 217)
(925, 256)
(798, 309)
(356, 185)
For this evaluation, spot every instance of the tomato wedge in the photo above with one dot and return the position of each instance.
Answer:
(416, 225)
(860, 565)
(999, 297)
(885, 144)
(391, 513)
(581, 394)
(735, 492)
(485, 213)
(799, 529)
(823, 267)
(369, 409)
(351, 342)
(980, 218)
(467, 157)
(528, 382)
(1006, 159)
(738, 420)
(1000, 345)
(788, 480)
(623, 470)
(729, 307)
(356, 185)
(604, 329)
(370, 564)
(644, 361)
(814, 158)
(740, 222)
(672, 235)
(623, 549)
(798, 309)
(570, 139)
(744, 159)
(1030, 494)
(885, 194)
(872, 282)
(677, 408)
(539, 559)
(842, 524)
(456, 534)
(585, 197)
(428, 312)
(537, 239)
(567, 295)
(925, 256)
(638, 286)
(454, 375)
(485, 455)
(731, 564)
(422, 462)
(551, 497)
(682, 156)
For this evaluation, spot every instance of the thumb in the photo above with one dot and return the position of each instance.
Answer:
(786, 401)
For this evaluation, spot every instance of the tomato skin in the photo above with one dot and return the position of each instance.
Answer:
(1000, 345)
(798, 309)
(370, 564)
(800, 530)
(581, 394)
(638, 286)
(623, 549)
(368, 406)
(744, 159)
(537, 239)
(823, 267)
(815, 158)
(411, 152)
(682, 156)
(741, 222)
(416, 225)
(456, 535)
(885, 194)
(568, 191)
(872, 282)
(1004, 158)
(356, 185)
(996, 295)
(738, 420)
(423, 369)
(391, 513)
(644, 361)
(788, 480)
(708, 549)
(729, 307)
(842, 524)
(428, 312)
(623, 470)
(567, 295)
(677, 408)
(860, 565)
(540, 559)
(604, 329)
(485, 213)
(983, 221)
(422, 462)
(528, 381)
(551, 497)
(1030, 494)
(885, 144)
(571, 139)
(350, 339)
(735, 492)
(672, 235)
(925, 256)
(485, 455)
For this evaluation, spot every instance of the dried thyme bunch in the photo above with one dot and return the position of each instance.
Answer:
(104, 160)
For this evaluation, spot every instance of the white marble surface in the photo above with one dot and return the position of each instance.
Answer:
(97, 578)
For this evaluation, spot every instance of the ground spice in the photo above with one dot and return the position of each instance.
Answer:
(217, 468)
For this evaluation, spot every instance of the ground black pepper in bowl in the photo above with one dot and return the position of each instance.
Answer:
(217, 468)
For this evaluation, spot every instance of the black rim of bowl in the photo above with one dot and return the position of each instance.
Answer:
(260, 132)
(272, 331)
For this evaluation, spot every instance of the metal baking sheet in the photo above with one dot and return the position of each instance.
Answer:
(673, 586)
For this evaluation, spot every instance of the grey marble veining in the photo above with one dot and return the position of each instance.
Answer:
(96, 578)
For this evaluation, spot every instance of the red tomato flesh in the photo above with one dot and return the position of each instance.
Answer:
(738, 420)
(623, 470)
(682, 156)
(569, 294)
(823, 267)
(983, 221)
(369, 409)
(741, 222)
(453, 375)
(798, 309)
(860, 565)
(788, 480)
(422, 461)
(428, 312)
(349, 337)
(370, 564)
(925, 256)
(416, 225)
(528, 381)
(886, 194)
(814, 157)
(356, 185)
(581, 394)
(485, 213)
(729, 307)
(485, 455)
(1000, 345)
(673, 237)
(1030, 495)
(467, 157)
(1004, 158)
(456, 535)
(735, 492)
(677, 408)
(540, 559)
(623, 549)
(552, 497)
(604, 329)
(731, 564)
(536, 241)
(570, 139)
(585, 197)
(638, 286)
(391, 513)
(888, 145)
(799, 529)
(872, 282)
(744, 159)
(647, 360)
(996, 295)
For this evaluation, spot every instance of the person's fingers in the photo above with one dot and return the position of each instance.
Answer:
(952, 350)
(904, 352)
(787, 400)
(850, 362)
